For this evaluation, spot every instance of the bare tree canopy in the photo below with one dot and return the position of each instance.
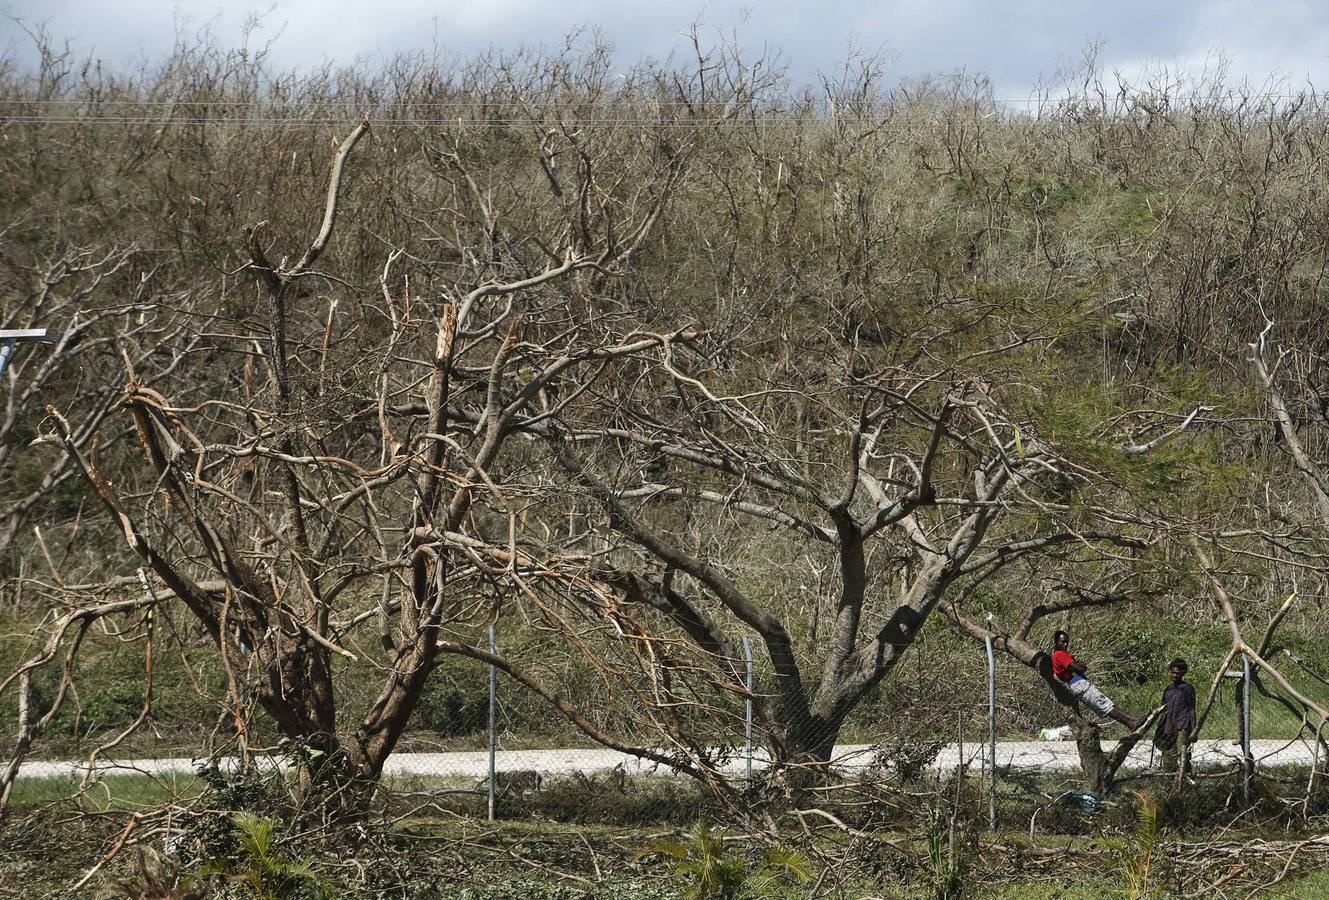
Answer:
(645, 363)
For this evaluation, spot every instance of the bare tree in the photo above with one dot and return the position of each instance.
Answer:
(365, 469)
(928, 470)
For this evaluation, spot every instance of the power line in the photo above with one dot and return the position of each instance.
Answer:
(677, 104)
(325, 122)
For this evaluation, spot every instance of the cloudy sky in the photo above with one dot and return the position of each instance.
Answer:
(1015, 42)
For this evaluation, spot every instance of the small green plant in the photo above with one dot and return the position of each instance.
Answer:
(261, 870)
(1139, 850)
(946, 855)
(720, 874)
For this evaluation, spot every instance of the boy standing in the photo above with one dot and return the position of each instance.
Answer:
(1176, 728)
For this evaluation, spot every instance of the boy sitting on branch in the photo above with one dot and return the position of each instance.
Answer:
(1072, 673)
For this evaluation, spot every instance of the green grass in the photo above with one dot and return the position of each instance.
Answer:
(1309, 887)
(120, 793)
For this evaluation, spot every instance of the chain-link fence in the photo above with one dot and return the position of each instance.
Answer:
(485, 747)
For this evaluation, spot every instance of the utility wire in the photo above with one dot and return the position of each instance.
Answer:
(1113, 98)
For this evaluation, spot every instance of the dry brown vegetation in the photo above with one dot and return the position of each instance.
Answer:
(351, 364)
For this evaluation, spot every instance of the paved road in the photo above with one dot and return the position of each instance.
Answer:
(1028, 756)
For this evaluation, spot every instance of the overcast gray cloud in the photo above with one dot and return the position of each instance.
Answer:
(1015, 43)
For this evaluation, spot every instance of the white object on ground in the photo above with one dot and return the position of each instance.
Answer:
(1059, 733)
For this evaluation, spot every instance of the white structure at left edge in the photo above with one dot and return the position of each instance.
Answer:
(9, 338)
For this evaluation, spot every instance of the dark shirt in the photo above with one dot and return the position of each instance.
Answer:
(1179, 715)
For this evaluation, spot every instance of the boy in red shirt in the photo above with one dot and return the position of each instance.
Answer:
(1072, 674)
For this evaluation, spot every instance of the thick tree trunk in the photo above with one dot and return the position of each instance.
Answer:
(1098, 774)
(804, 758)
(331, 778)
(810, 742)
(382, 728)
(1100, 766)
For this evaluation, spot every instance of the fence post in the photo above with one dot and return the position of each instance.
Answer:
(1247, 760)
(493, 719)
(992, 729)
(747, 718)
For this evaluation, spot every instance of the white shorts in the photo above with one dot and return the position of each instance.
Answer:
(1090, 696)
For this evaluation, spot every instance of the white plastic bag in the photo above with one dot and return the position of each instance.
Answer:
(1055, 734)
